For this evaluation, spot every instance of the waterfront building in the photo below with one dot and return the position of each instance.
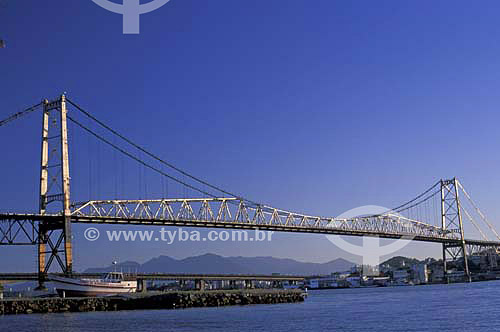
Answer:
(334, 280)
(420, 274)
(437, 274)
(400, 276)
(313, 283)
(353, 282)
(455, 276)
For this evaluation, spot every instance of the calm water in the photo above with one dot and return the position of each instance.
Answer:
(459, 307)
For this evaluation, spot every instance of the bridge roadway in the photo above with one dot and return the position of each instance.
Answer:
(353, 228)
(163, 276)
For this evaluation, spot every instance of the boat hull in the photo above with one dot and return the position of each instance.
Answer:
(83, 288)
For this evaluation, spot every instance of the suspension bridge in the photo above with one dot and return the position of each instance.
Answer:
(438, 215)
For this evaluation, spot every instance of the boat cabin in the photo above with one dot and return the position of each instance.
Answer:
(114, 277)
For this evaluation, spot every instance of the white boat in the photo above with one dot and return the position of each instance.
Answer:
(112, 283)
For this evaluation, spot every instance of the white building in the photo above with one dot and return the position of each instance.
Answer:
(420, 273)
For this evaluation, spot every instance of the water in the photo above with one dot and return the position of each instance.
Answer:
(458, 307)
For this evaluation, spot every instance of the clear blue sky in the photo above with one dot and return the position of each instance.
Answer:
(315, 106)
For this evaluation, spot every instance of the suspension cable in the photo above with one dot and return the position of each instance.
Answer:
(19, 114)
(483, 217)
(474, 223)
(404, 207)
(128, 154)
(417, 203)
(140, 148)
(400, 208)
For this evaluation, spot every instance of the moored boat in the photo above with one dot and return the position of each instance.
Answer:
(112, 283)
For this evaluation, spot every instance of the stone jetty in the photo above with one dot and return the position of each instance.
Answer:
(164, 300)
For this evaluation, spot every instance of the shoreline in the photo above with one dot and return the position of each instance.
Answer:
(148, 301)
(406, 285)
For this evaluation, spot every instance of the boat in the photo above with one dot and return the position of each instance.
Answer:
(112, 283)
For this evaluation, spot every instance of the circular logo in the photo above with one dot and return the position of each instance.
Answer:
(371, 251)
(131, 9)
(91, 234)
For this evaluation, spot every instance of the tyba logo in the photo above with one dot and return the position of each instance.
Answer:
(371, 251)
(131, 11)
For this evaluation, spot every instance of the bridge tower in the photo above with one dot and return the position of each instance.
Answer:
(451, 218)
(54, 237)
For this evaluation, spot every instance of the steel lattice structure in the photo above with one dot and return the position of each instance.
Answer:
(235, 213)
(18, 232)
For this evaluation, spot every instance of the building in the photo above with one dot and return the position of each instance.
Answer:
(334, 280)
(313, 283)
(354, 282)
(356, 269)
(437, 274)
(455, 276)
(400, 276)
(420, 274)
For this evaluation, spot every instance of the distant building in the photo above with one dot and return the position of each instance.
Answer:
(437, 274)
(369, 270)
(385, 268)
(475, 260)
(486, 261)
(420, 274)
(356, 269)
(455, 276)
(493, 258)
(354, 281)
(328, 282)
(313, 283)
(334, 280)
(400, 276)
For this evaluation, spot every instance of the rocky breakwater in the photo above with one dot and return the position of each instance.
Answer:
(167, 300)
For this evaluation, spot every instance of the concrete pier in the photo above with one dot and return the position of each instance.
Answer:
(153, 300)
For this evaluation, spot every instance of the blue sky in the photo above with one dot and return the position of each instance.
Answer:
(317, 107)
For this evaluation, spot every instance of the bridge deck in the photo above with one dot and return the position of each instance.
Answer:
(321, 229)
(164, 276)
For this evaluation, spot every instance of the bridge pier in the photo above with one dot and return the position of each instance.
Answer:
(451, 220)
(249, 284)
(199, 284)
(142, 286)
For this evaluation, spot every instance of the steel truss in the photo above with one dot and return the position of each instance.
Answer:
(482, 249)
(232, 212)
(54, 237)
(451, 217)
(488, 249)
(18, 232)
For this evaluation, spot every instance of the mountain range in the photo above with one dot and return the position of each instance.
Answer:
(214, 264)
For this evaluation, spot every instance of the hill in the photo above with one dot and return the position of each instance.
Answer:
(213, 264)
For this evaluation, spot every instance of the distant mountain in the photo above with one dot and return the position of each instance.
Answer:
(212, 264)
